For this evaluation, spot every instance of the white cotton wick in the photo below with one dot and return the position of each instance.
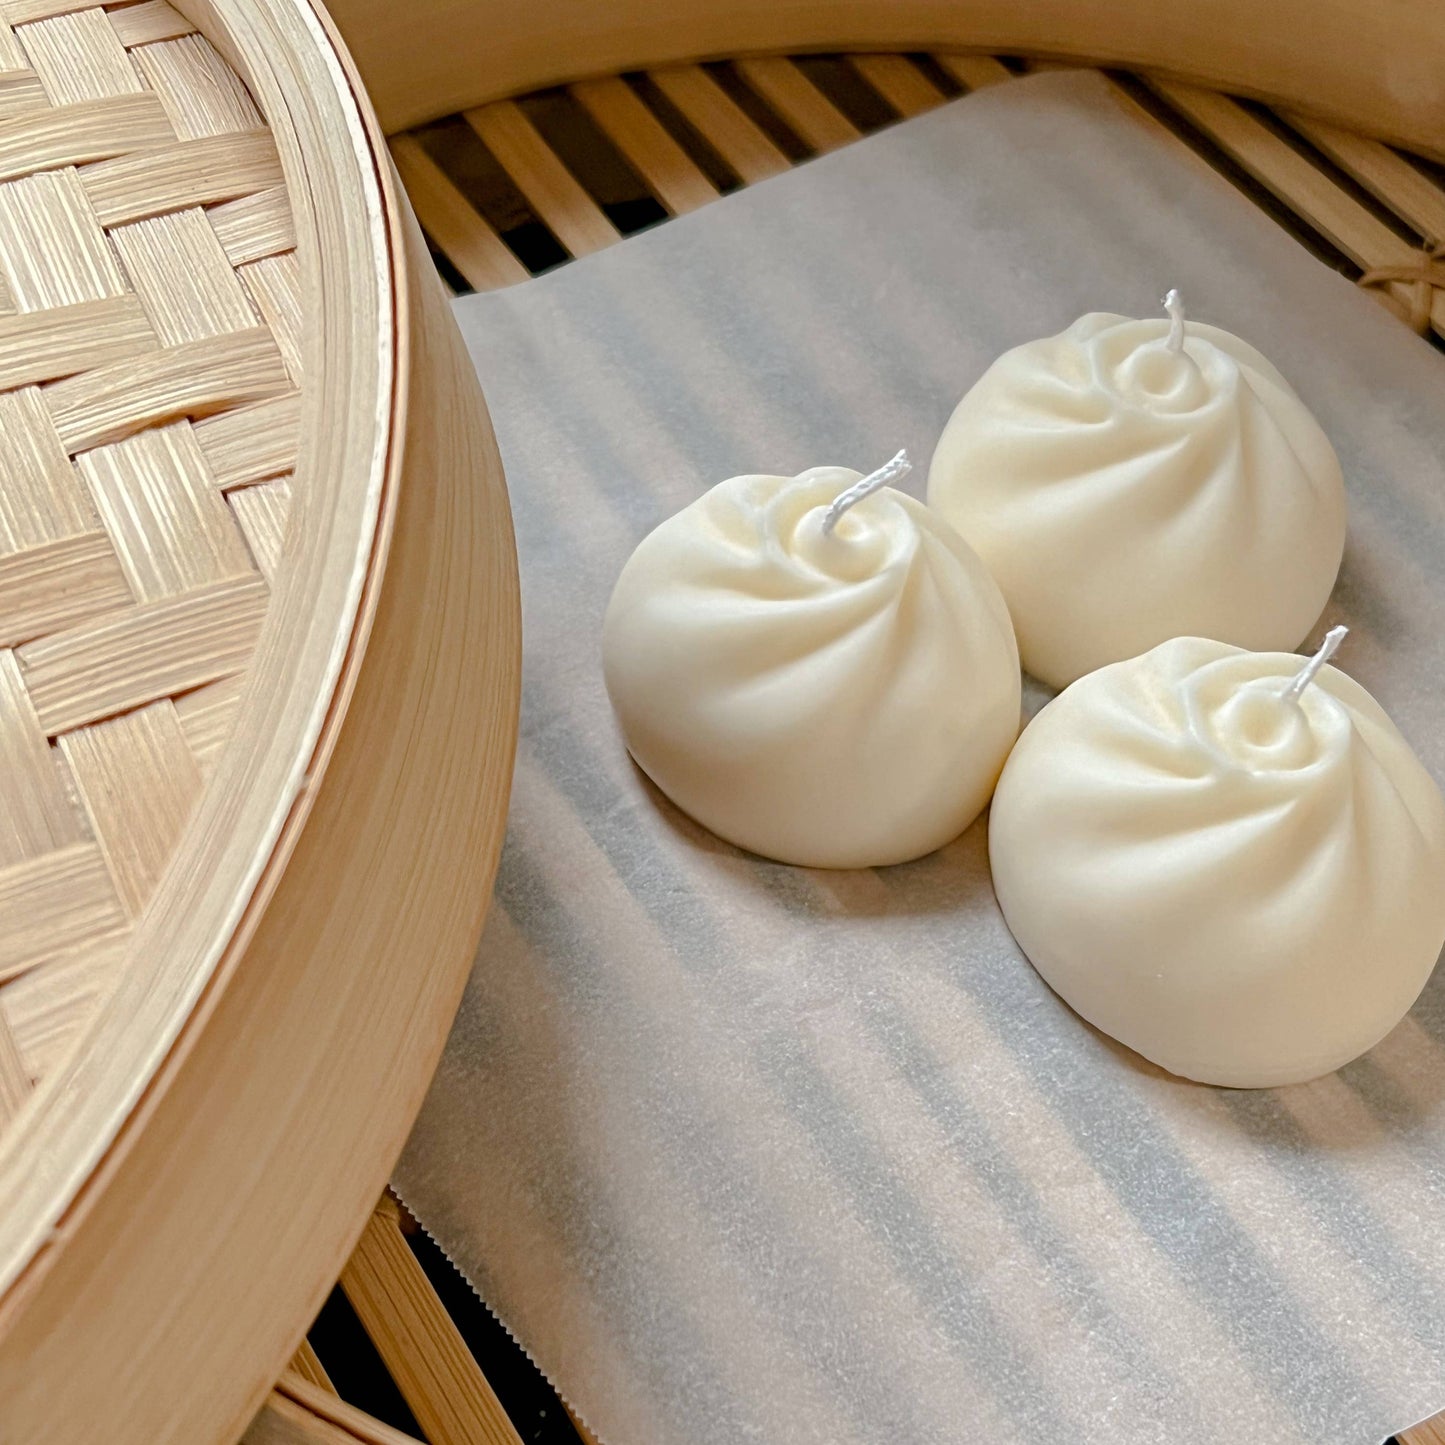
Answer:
(891, 471)
(1174, 305)
(1308, 672)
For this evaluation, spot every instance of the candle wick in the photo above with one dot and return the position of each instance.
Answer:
(891, 471)
(1309, 671)
(1174, 305)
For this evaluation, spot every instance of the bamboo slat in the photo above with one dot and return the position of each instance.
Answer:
(675, 178)
(301, 1412)
(556, 194)
(1312, 195)
(307, 1365)
(417, 1339)
(1427, 1432)
(901, 83)
(974, 71)
(806, 109)
(453, 223)
(733, 134)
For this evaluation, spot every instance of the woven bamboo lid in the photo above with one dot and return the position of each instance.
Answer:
(255, 568)
(150, 356)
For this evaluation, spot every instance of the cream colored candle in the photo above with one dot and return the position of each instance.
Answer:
(817, 668)
(1228, 861)
(1131, 481)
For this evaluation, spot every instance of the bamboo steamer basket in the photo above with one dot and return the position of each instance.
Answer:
(229, 1094)
(252, 793)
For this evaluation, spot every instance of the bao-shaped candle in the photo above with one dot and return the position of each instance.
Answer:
(1127, 482)
(817, 668)
(1231, 864)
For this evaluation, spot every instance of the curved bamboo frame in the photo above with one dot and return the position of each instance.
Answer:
(295, 978)
(1379, 70)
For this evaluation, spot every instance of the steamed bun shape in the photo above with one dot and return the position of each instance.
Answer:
(1243, 888)
(1123, 493)
(838, 700)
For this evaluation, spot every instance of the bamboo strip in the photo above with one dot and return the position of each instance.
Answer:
(52, 251)
(200, 92)
(19, 12)
(254, 225)
(554, 192)
(38, 817)
(432, 1367)
(142, 653)
(138, 781)
(170, 526)
(44, 345)
(731, 132)
(54, 586)
(207, 714)
(132, 187)
(262, 512)
(974, 72)
(900, 82)
(76, 134)
(1427, 1432)
(183, 278)
(42, 499)
(251, 443)
(148, 22)
(21, 92)
(800, 103)
(301, 1413)
(78, 58)
(15, 1083)
(675, 178)
(463, 235)
(307, 1364)
(44, 1007)
(58, 903)
(109, 403)
(275, 286)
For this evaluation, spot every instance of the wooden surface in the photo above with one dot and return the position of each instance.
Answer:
(1379, 71)
(245, 1093)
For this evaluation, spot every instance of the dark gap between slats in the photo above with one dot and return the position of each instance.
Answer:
(937, 74)
(587, 151)
(760, 112)
(482, 179)
(523, 1391)
(1321, 162)
(894, 115)
(847, 90)
(1289, 220)
(687, 135)
(458, 283)
(355, 1368)
(1432, 170)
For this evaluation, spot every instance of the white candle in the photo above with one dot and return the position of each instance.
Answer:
(1230, 863)
(817, 668)
(1131, 481)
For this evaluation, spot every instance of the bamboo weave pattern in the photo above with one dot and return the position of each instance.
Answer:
(149, 405)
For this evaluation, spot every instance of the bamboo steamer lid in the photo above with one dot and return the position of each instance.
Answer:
(255, 570)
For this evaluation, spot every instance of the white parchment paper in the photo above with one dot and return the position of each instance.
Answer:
(748, 1153)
